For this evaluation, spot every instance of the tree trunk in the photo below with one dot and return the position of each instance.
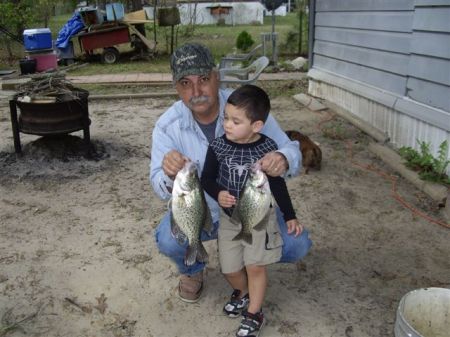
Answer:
(136, 5)
(300, 30)
(10, 53)
(102, 4)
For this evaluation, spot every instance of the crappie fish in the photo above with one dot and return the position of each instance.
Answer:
(253, 207)
(190, 213)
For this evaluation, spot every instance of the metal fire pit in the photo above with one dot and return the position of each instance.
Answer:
(64, 116)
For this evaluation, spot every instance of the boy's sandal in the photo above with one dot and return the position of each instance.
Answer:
(234, 307)
(251, 324)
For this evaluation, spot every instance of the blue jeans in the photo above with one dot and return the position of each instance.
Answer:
(294, 248)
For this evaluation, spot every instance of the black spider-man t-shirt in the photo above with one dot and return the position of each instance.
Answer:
(227, 166)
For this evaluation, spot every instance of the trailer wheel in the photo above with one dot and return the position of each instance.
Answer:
(110, 55)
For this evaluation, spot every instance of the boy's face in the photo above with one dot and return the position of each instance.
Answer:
(238, 127)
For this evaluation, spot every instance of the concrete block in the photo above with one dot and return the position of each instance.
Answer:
(310, 102)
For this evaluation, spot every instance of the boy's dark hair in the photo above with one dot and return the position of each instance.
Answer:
(253, 100)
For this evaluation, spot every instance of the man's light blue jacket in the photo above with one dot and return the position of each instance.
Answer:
(177, 129)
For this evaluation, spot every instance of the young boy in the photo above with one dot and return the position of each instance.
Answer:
(225, 172)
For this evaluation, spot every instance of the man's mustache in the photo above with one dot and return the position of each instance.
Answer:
(199, 100)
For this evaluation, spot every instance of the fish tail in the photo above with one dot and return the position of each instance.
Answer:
(247, 237)
(202, 255)
(191, 255)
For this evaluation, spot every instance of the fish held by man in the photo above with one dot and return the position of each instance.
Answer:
(253, 207)
(190, 213)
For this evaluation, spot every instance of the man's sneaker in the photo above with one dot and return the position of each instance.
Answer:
(190, 287)
(251, 324)
(234, 307)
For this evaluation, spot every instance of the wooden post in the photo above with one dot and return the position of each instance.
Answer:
(86, 125)
(15, 126)
(171, 40)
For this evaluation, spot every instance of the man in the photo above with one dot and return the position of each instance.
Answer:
(184, 132)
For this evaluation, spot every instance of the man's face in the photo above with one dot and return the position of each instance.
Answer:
(199, 93)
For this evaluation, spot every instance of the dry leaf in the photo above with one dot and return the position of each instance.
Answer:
(101, 306)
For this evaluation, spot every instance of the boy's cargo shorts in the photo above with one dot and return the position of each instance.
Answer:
(234, 255)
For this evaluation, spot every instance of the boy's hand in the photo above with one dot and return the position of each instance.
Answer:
(226, 200)
(294, 227)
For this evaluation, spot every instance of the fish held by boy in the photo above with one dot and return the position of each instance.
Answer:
(189, 213)
(253, 208)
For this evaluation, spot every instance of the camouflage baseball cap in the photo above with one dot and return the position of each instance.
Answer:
(191, 59)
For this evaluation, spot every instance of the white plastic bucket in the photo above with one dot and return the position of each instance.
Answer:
(424, 313)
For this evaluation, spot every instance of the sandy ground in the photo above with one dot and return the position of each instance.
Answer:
(78, 258)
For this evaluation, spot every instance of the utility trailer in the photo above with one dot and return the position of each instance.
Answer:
(110, 39)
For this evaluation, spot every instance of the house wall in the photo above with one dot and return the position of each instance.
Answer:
(241, 13)
(388, 63)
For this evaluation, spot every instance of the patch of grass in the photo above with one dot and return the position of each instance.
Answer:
(100, 89)
(273, 88)
(221, 40)
(284, 88)
(336, 131)
(158, 64)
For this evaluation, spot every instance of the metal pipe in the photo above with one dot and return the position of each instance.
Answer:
(311, 16)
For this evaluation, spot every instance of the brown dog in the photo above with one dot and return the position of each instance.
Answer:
(311, 152)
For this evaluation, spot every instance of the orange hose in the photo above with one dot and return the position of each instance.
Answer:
(386, 176)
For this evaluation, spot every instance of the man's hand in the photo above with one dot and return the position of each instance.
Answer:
(225, 199)
(274, 164)
(172, 163)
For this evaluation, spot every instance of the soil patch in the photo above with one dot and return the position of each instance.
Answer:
(78, 258)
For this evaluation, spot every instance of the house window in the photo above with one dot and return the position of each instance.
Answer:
(220, 10)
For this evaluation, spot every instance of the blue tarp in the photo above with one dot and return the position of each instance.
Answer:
(73, 26)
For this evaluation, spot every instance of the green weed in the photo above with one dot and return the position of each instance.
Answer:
(428, 167)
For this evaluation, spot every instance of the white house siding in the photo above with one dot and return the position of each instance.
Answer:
(388, 63)
(429, 68)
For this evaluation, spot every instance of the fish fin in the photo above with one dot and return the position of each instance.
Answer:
(273, 202)
(235, 216)
(208, 225)
(173, 225)
(202, 255)
(247, 237)
(176, 231)
(263, 223)
(191, 255)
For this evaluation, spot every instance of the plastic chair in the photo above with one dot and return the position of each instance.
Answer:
(245, 75)
(227, 61)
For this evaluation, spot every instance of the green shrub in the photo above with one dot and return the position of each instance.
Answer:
(244, 41)
(428, 167)
(291, 44)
